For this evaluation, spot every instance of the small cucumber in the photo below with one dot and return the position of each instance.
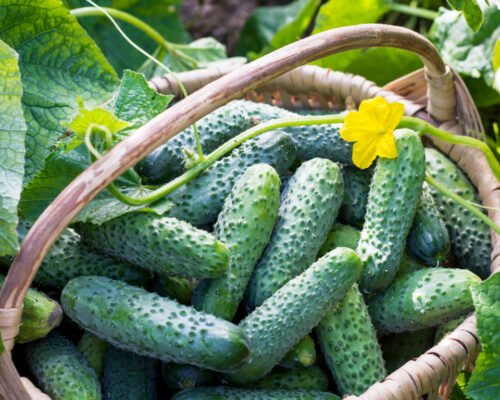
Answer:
(183, 376)
(250, 211)
(146, 324)
(470, 239)
(200, 200)
(61, 370)
(229, 393)
(303, 354)
(290, 313)
(178, 289)
(423, 299)
(128, 376)
(428, 240)
(356, 189)
(160, 244)
(349, 344)
(168, 161)
(399, 348)
(312, 378)
(394, 194)
(310, 203)
(94, 350)
(443, 330)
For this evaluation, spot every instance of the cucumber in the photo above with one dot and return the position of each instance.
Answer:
(229, 393)
(349, 345)
(41, 315)
(178, 289)
(94, 350)
(394, 194)
(61, 370)
(312, 378)
(183, 376)
(250, 211)
(423, 299)
(200, 200)
(428, 240)
(470, 239)
(399, 348)
(356, 191)
(128, 376)
(310, 203)
(160, 244)
(443, 330)
(303, 354)
(290, 313)
(168, 161)
(144, 323)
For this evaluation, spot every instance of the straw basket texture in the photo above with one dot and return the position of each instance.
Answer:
(434, 93)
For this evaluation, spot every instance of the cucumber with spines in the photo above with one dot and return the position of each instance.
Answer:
(356, 189)
(138, 237)
(303, 354)
(175, 288)
(229, 393)
(183, 376)
(250, 211)
(311, 378)
(443, 330)
(144, 323)
(94, 350)
(310, 204)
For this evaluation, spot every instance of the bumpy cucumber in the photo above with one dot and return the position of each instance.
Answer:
(428, 240)
(144, 323)
(349, 344)
(178, 289)
(94, 350)
(200, 200)
(423, 299)
(167, 161)
(470, 240)
(310, 203)
(399, 348)
(394, 194)
(41, 315)
(128, 376)
(249, 212)
(160, 244)
(356, 189)
(303, 354)
(61, 370)
(290, 313)
(443, 330)
(312, 378)
(229, 393)
(183, 376)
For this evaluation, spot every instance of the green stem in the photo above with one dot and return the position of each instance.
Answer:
(414, 11)
(464, 203)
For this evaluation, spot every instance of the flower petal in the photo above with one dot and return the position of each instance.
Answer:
(394, 118)
(387, 146)
(364, 152)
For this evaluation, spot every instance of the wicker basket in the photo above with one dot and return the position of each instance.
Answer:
(434, 93)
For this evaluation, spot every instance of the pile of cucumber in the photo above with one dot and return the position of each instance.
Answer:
(281, 272)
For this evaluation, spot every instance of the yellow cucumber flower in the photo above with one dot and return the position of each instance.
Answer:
(372, 130)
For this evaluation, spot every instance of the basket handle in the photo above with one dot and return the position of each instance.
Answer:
(58, 215)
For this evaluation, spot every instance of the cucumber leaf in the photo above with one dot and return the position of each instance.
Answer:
(58, 62)
(471, 11)
(12, 134)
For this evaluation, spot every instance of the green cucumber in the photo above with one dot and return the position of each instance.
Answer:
(312, 378)
(183, 376)
(443, 330)
(470, 239)
(399, 348)
(229, 393)
(250, 211)
(41, 315)
(296, 308)
(128, 376)
(303, 354)
(168, 161)
(146, 324)
(310, 204)
(94, 350)
(200, 200)
(356, 189)
(61, 370)
(349, 344)
(423, 299)
(428, 240)
(160, 244)
(393, 199)
(175, 288)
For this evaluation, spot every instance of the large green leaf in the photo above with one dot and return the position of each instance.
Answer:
(471, 10)
(58, 62)
(12, 134)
